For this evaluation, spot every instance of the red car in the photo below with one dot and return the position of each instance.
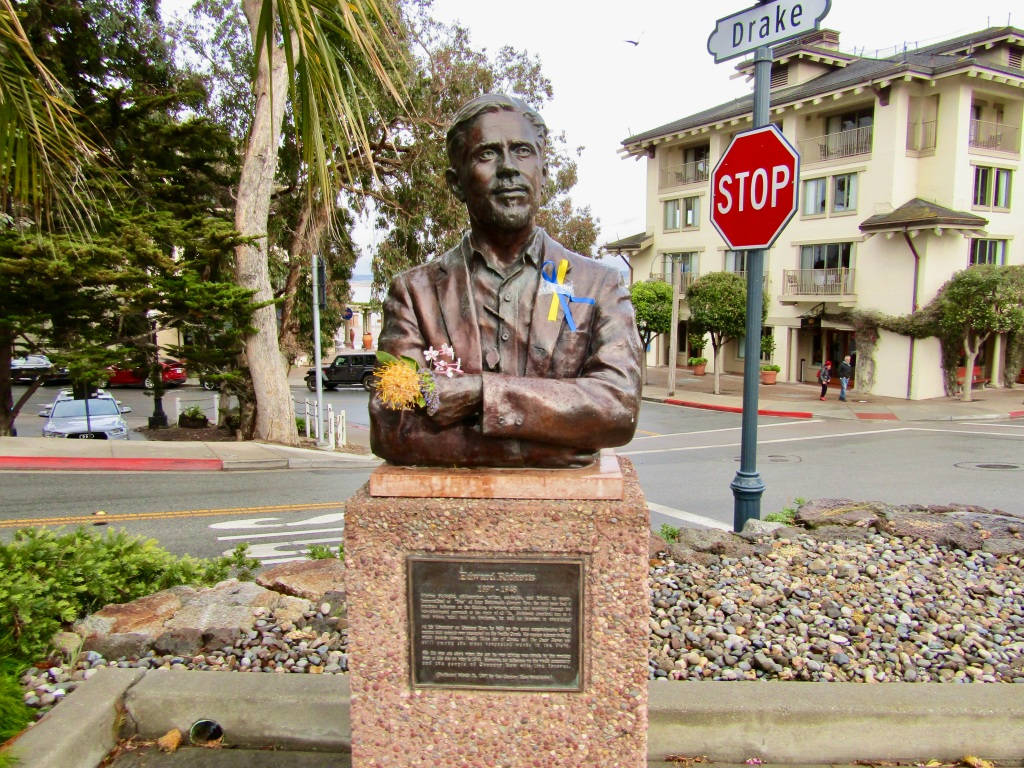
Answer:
(173, 375)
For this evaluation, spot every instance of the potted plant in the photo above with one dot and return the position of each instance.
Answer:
(699, 365)
(696, 342)
(192, 418)
(769, 372)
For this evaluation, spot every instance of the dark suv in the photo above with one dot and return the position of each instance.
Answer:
(355, 368)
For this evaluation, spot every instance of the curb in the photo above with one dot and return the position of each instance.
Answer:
(110, 463)
(776, 722)
(241, 465)
(730, 408)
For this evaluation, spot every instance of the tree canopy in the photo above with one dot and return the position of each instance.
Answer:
(718, 304)
(652, 303)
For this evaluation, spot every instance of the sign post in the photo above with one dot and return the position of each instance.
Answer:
(754, 194)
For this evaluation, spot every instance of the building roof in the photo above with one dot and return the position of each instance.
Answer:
(631, 243)
(922, 214)
(928, 62)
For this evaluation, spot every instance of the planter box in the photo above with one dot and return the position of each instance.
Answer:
(769, 377)
(192, 422)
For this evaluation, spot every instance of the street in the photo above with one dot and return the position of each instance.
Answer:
(685, 459)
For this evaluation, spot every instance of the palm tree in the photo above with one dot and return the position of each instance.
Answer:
(302, 49)
(42, 150)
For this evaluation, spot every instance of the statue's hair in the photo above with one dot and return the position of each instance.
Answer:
(489, 102)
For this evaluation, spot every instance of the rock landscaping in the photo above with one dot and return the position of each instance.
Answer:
(851, 591)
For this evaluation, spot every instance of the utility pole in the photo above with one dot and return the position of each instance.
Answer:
(316, 353)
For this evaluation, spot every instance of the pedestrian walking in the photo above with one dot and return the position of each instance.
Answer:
(845, 371)
(825, 376)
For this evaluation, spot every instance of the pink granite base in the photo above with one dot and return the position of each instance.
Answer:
(395, 725)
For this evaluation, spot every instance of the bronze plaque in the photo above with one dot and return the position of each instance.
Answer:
(496, 622)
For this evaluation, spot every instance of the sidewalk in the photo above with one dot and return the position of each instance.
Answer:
(798, 401)
(801, 400)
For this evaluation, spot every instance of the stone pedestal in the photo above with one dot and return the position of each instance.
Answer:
(597, 718)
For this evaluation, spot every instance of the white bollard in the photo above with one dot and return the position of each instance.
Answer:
(306, 419)
(216, 407)
(342, 430)
(331, 434)
(177, 410)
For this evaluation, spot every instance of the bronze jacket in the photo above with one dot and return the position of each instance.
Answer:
(581, 391)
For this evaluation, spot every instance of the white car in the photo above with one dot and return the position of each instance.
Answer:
(94, 418)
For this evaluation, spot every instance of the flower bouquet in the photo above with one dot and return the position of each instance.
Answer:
(401, 384)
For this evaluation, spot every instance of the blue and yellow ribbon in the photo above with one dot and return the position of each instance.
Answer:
(562, 293)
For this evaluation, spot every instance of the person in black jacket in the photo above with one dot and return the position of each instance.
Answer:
(825, 376)
(845, 371)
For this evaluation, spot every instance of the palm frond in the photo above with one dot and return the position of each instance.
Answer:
(42, 150)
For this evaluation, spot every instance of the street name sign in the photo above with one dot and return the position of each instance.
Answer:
(766, 24)
(754, 188)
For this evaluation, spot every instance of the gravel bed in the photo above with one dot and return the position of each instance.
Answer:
(875, 609)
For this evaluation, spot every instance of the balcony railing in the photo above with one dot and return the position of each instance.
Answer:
(683, 173)
(685, 278)
(856, 141)
(837, 281)
(1002, 136)
(921, 135)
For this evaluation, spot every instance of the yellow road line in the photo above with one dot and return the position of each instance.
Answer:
(84, 519)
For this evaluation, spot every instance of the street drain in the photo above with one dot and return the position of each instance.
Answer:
(989, 465)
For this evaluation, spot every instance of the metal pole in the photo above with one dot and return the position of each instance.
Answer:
(316, 352)
(747, 486)
(673, 331)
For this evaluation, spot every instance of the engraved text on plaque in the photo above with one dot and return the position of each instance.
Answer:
(496, 622)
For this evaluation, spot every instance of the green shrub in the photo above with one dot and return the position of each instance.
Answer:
(300, 425)
(669, 533)
(49, 578)
(194, 412)
(14, 715)
(324, 552)
(787, 515)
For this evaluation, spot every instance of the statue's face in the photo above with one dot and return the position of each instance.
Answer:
(502, 173)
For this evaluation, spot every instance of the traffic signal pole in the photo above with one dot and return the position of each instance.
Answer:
(747, 486)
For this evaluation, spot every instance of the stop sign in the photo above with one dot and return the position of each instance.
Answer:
(754, 188)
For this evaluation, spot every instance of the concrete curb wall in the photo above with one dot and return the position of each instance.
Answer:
(777, 722)
(299, 711)
(83, 729)
(786, 722)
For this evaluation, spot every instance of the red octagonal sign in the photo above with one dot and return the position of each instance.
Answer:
(754, 188)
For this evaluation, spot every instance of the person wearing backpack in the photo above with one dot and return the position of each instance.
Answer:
(825, 376)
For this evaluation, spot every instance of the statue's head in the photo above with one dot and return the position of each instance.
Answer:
(496, 147)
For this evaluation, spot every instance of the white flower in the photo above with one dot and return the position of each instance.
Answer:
(447, 351)
(431, 354)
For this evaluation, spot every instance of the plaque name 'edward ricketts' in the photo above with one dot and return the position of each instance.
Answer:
(496, 623)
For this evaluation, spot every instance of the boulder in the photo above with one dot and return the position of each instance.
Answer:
(311, 579)
(820, 512)
(710, 541)
(129, 629)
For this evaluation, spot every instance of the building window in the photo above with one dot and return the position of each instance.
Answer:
(814, 196)
(686, 263)
(844, 193)
(992, 186)
(735, 261)
(672, 214)
(691, 211)
(826, 256)
(988, 252)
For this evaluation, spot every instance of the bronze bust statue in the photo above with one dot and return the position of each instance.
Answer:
(545, 338)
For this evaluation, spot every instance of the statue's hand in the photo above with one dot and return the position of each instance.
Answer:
(460, 398)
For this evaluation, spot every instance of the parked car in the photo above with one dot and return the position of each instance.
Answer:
(173, 374)
(355, 368)
(25, 370)
(94, 418)
(68, 394)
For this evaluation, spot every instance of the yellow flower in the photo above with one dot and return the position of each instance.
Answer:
(398, 386)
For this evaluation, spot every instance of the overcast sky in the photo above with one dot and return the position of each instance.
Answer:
(607, 89)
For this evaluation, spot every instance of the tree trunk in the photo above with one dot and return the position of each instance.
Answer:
(9, 409)
(275, 417)
(970, 355)
(718, 366)
(307, 239)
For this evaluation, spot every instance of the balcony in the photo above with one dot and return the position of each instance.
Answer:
(834, 146)
(921, 135)
(685, 278)
(999, 136)
(683, 173)
(834, 284)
